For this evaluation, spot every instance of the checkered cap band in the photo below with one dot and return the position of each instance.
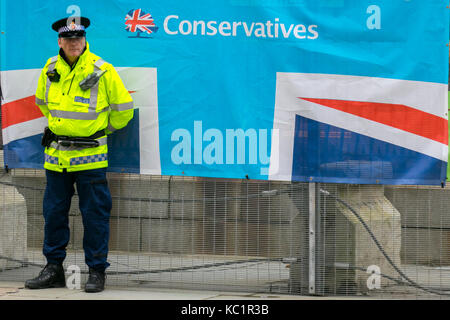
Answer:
(73, 27)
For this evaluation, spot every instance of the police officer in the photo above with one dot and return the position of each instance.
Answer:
(84, 100)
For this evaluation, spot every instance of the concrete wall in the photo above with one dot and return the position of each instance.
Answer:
(425, 223)
(13, 225)
(179, 215)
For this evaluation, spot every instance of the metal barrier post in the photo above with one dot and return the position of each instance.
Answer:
(312, 238)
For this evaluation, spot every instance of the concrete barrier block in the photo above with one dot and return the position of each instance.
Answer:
(272, 202)
(138, 195)
(32, 187)
(422, 246)
(76, 232)
(125, 234)
(258, 239)
(354, 244)
(35, 230)
(13, 226)
(421, 206)
(173, 236)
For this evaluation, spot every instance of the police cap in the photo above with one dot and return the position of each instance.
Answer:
(72, 27)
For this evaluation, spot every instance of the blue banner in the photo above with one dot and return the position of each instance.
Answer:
(350, 91)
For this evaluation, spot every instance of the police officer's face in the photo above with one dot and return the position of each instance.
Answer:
(72, 47)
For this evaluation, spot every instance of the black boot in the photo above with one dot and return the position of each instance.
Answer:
(96, 281)
(52, 276)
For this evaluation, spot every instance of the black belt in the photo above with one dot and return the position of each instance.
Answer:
(97, 135)
(66, 141)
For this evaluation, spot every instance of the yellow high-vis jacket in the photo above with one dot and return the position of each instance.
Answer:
(73, 112)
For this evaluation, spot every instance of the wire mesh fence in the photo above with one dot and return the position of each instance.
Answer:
(252, 236)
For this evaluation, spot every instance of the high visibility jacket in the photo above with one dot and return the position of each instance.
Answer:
(76, 113)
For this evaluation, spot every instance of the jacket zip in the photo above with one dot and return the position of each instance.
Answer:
(71, 84)
(71, 69)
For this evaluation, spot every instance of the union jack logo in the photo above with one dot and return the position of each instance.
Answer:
(139, 21)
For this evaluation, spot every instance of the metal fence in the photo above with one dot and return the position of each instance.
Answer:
(251, 236)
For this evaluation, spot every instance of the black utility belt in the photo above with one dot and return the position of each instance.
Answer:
(66, 141)
(77, 142)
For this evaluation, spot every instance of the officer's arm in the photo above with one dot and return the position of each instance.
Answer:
(120, 101)
(40, 92)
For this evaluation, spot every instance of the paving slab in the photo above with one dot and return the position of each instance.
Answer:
(16, 291)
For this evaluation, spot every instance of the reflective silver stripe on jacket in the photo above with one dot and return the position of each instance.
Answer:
(94, 89)
(51, 67)
(76, 115)
(57, 146)
(111, 128)
(122, 106)
(40, 102)
(88, 159)
(93, 98)
(98, 64)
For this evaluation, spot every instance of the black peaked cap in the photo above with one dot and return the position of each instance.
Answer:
(68, 27)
